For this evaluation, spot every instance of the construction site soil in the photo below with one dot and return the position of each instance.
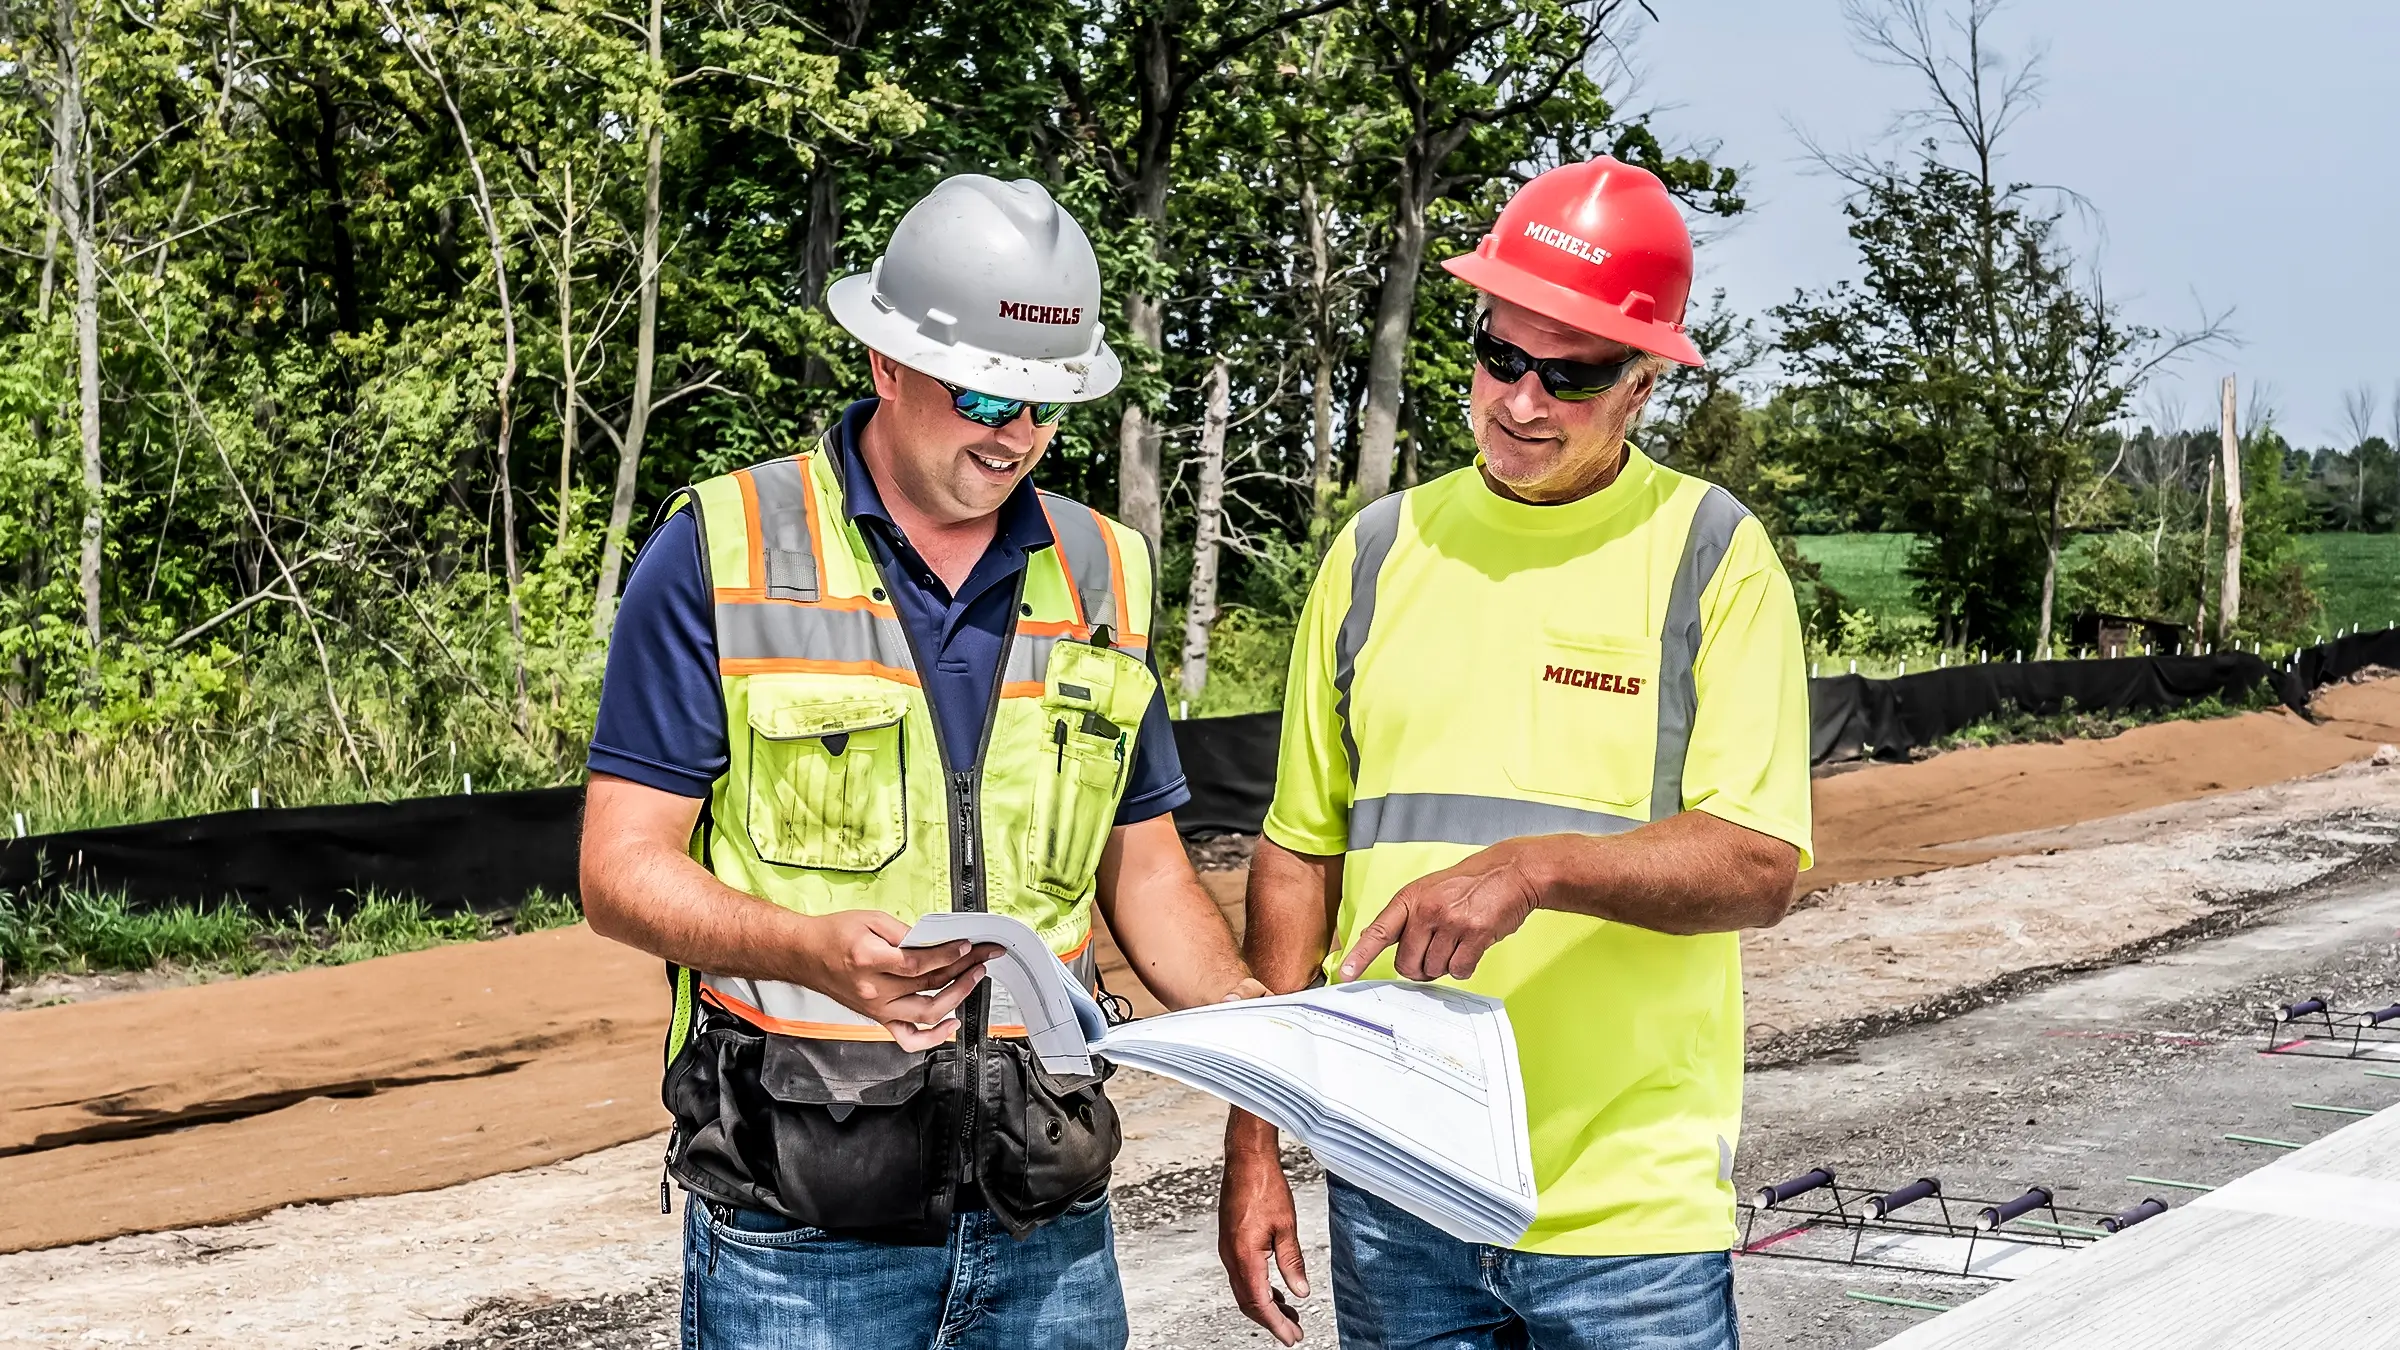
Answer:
(497, 1101)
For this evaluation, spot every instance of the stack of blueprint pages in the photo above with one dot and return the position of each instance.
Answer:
(1408, 1091)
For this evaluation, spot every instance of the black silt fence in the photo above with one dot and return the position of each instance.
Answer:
(483, 852)
(488, 851)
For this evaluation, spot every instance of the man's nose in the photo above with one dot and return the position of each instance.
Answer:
(1527, 400)
(1019, 431)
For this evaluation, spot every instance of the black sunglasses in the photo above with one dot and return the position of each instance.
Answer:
(1566, 381)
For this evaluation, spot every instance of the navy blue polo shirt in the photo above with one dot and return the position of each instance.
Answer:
(662, 710)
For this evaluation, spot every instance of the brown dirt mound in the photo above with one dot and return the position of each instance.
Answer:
(207, 1104)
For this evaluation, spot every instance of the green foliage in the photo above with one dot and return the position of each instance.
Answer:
(80, 932)
(2017, 727)
(1959, 385)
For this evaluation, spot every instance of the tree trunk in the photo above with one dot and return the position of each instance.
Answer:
(2229, 595)
(566, 352)
(1137, 435)
(1207, 530)
(645, 365)
(817, 260)
(1387, 356)
(2041, 644)
(504, 387)
(76, 208)
(2208, 513)
(1322, 475)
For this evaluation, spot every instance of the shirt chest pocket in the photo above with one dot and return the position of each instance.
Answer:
(1591, 719)
(828, 779)
(1093, 699)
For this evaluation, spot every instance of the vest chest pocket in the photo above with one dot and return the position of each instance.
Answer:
(1093, 699)
(828, 780)
(1591, 719)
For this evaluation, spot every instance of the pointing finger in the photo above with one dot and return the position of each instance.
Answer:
(1375, 937)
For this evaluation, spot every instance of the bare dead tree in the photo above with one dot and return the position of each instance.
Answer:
(419, 45)
(1201, 612)
(2358, 418)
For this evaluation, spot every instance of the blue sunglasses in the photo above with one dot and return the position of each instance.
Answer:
(990, 410)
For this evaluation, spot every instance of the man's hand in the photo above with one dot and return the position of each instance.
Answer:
(855, 958)
(1255, 1224)
(1247, 989)
(1443, 924)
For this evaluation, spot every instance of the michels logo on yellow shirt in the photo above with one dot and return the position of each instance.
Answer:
(1592, 679)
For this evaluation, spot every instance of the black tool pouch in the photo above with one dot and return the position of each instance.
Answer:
(855, 1137)
(1047, 1141)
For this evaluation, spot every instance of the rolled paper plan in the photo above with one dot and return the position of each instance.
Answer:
(1771, 1196)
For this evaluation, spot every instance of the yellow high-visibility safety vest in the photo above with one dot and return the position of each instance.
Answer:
(1469, 670)
(836, 796)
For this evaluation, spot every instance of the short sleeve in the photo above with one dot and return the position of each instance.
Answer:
(1155, 785)
(662, 709)
(1748, 758)
(1313, 789)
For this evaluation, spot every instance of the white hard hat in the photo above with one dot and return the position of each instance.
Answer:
(988, 286)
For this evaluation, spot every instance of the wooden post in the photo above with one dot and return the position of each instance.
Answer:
(1207, 530)
(2229, 597)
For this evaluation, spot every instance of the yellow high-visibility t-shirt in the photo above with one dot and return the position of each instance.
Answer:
(1511, 670)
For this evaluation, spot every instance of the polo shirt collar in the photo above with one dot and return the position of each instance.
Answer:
(1023, 525)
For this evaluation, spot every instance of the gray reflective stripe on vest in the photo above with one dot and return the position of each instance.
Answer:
(811, 632)
(1028, 659)
(1704, 548)
(1456, 818)
(782, 489)
(1378, 525)
(1083, 546)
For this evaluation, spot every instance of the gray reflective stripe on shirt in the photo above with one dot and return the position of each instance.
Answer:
(1082, 539)
(1704, 548)
(811, 632)
(1378, 525)
(1457, 818)
(782, 489)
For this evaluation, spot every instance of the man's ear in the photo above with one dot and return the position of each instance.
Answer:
(886, 373)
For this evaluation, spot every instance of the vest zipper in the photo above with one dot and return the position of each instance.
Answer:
(966, 857)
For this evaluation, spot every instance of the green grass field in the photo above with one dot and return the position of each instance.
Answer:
(2360, 584)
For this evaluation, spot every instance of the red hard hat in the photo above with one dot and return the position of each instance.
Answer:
(1597, 246)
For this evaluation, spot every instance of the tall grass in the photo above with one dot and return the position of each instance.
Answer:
(196, 737)
(81, 932)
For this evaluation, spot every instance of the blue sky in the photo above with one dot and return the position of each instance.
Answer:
(2238, 155)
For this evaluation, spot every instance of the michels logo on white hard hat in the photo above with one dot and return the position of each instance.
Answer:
(1065, 315)
(1564, 242)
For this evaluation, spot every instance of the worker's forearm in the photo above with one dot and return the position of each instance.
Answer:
(1289, 915)
(653, 897)
(1165, 923)
(1177, 943)
(1690, 873)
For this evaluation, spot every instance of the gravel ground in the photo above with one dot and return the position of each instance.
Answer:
(2075, 1081)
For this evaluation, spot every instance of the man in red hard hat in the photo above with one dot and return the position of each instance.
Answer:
(1546, 737)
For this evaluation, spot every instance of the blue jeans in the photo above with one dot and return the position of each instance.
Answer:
(761, 1281)
(1399, 1283)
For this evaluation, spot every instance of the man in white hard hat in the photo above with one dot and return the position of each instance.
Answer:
(877, 679)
